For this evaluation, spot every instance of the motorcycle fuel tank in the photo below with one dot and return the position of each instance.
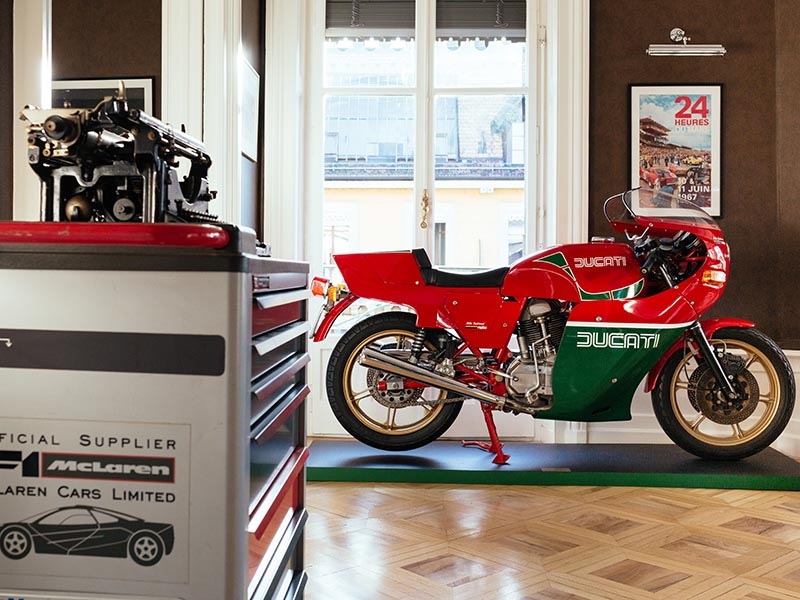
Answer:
(575, 272)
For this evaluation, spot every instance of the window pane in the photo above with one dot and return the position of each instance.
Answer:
(361, 217)
(369, 170)
(480, 137)
(479, 203)
(480, 62)
(370, 62)
(478, 225)
(369, 137)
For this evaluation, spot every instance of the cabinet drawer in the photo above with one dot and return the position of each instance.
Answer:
(278, 517)
(275, 384)
(275, 437)
(280, 280)
(261, 363)
(271, 311)
(292, 581)
(279, 576)
(270, 348)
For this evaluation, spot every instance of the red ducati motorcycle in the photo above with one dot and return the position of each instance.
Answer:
(566, 333)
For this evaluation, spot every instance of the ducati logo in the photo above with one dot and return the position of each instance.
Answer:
(600, 261)
(606, 339)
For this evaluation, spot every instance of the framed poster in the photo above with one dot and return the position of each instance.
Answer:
(87, 93)
(675, 143)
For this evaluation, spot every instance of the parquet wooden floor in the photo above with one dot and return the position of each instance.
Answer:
(369, 541)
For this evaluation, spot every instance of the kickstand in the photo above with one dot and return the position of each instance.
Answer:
(500, 458)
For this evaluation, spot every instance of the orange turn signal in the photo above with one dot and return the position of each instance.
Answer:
(714, 278)
(318, 286)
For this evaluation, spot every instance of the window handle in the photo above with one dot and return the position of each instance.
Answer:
(425, 204)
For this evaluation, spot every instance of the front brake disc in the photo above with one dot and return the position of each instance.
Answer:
(710, 400)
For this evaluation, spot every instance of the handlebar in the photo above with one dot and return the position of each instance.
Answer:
(670, 259)
(657, 252)
(652, 260)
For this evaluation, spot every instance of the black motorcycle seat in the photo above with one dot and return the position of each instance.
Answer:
(437, 278)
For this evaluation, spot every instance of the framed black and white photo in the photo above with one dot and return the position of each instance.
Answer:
(675, 142)
(87, 93)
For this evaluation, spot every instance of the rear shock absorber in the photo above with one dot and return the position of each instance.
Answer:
(417, 346)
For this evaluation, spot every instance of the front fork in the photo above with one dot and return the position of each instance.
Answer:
(709, 355)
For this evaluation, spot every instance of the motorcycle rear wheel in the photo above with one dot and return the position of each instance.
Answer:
(364, 408)
(695, 415)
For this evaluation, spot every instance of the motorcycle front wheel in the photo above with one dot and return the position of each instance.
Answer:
(695, 414)
(377, 408)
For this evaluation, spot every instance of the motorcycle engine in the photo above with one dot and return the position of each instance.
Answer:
(539, 332)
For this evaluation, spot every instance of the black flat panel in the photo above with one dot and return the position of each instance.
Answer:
(174, 354)
(643, 465)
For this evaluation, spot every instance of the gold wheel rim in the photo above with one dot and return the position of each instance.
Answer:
(701, 427)
(371, 413)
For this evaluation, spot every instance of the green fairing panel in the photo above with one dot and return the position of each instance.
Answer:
(627, 291)
(558, 259)
(598, 369)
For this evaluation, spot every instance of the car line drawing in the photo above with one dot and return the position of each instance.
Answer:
(88, 531)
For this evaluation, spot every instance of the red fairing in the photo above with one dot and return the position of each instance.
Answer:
(667, 308)
(482, 316)
(702, 294)
(564, 271)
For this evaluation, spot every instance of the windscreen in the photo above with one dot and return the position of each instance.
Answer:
(652, 205)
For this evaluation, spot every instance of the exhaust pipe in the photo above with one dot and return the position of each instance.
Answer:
(375, 359)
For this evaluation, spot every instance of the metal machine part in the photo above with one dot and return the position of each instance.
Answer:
(539, 332)
(113, 163)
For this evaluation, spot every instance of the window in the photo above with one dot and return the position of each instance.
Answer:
(383, 162)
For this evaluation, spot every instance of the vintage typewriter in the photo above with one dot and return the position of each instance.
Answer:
(114, 163)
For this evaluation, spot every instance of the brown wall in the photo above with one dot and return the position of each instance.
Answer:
(7, 120)
(108, 39)
(760, 76)
(788, 175)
